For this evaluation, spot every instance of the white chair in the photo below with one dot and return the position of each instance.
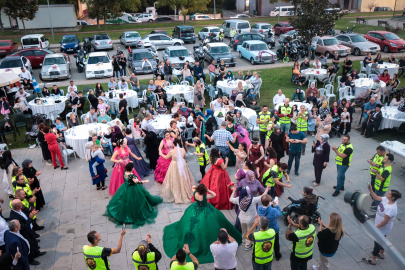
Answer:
(62, 93)
(257, 89)
(156, 98)
(68, 117)
(344, 93)
(53, 115)
(144, 97)
(83, 118)
(330, 80)
(322, 92)
(303, 93)
(330, 89)
(362, 68)
(66, 152)
(189, 97)
(3, 146)
(312, 81)
(396, 61)
(187, 83)
(372, 76)
(362, 76)
(178, 98)
(188, 133)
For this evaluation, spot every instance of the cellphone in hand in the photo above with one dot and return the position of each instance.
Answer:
(275, 200)
(123, 226)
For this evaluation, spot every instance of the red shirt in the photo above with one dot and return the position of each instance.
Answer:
(385, 79)
(50, 138)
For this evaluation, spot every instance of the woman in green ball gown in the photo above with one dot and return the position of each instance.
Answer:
(198, 227)
(132, 204)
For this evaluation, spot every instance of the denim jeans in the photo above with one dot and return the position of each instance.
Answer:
(108, 146)
(291, 156)
(123, 71)
(285, 128)
(377, 248)
(117, 73)
(134, 87)
(198, 76)
(402, 71)
(304, 144)
(224, 151)
(266, 266)
(190, 79)
(341, 171)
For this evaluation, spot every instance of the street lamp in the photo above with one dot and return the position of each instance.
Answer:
(50, 21)
(214, 10)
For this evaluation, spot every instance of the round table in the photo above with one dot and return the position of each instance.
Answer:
(78, 136)
(364, 82)
(186, 91)
(292, 103)
(162, 122)
(228, 86)
(47, 107)
(250, 114)
(314, 72)
(130, 96)
(390, 117)
(392, 68)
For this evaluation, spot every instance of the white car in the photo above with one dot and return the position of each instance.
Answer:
(82, 22)
(202, 17)
(98, 65)
(145, 17)
(207, 31)
(240, 16)
(13, 64)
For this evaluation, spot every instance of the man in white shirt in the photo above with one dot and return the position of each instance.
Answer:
(21, 94)
(223, 252)
(146, 125)
(216, 104)
(73, 85)
(123, 85)
(279, 98)
(70, 91)
(317, 64)
(25, 74)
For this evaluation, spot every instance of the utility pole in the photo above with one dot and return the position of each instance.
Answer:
(214, 9)
(279, 11)
(50, 21)
(393, 13)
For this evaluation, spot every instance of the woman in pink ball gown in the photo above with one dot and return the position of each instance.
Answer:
(163, 164)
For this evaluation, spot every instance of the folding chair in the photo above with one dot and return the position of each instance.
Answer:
(362, 68)
(372, 76)
(362, 76)
(83, 118)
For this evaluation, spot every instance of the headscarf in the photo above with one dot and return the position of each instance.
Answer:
(234, 94)
(183, 109)
(143, 249)
(240, 98)
(190, 120)
(141, 114)
(88, 147)
(229, 75)
(26, 163)
(350, 104)
(198, 112)
(116, 130)
(325, 138)
(8, 159)
(354, 74)
(245, 200)
(299, 93)
(277, 127)
(209, 114)
(324, 101)
(252, 93)
(240, 130)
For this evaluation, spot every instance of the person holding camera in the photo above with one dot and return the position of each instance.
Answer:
(179, 260)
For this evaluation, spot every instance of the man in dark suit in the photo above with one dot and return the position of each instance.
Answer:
(17, 244)
(375, 117)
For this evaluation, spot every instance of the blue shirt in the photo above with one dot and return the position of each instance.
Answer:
(271, 214)
(296, 146)
(369, 107)
(221, 136)
(59, 127)
(112, 85)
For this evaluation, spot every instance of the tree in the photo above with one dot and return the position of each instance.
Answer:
(371, 6)
(187, 6)
(24, 10)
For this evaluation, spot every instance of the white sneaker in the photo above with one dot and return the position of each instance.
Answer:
(314, 267)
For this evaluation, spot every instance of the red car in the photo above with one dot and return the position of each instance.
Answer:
(35, 55)
(389, 42)
(282, 28)
(7, 47)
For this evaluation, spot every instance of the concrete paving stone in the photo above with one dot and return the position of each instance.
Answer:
(68, 217)
(48, 258)
(63, 259)
(48, 240)
(174, 217)
(79, 242)
(78, 262)
(42, 266)
(352, 248)
(120, 260)
(65, 243)
(82, 229)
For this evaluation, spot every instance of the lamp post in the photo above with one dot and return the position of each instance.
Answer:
(50, 21)
(393, 13)
(214, 10)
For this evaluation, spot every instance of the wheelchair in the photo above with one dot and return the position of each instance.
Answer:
(310, 210)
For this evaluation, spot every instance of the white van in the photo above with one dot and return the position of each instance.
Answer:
(284, 10)
(241, 26)
(145, 17)
(34, 41)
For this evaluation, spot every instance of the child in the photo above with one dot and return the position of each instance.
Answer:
(137, 129)
(102, 106)
(96, 151)
(345, 117)
(5, 108)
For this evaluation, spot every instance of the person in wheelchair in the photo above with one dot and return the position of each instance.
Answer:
(304, 202)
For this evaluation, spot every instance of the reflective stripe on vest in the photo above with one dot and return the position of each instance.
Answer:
(378, 160)
(268, 180)
(377, 183)
(285, 110)
(302, 124)
(201, 158)
(176, 266)
(150, 260)
(264, 245)
(341, 149)
(92, 257)
(263, 117)
(304, 246)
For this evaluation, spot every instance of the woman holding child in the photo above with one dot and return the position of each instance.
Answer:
(96, 160)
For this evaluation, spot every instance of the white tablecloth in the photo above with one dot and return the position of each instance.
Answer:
(395, 146)
(250, 114)
(186, 91)
(314, 72)
(131, 97)
(46, 108)
(390, 117)
(359, 83)
(392, 68)
(78, 136)
(162, 122)
(292, 103)
(227, 87)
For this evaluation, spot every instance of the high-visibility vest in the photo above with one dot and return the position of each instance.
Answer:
(149, 264)
(341, 149)
(232, 33)
(302, 124)
(285, 110)
(268, 180)
(378, 160)
(201, 158)
(92, 257)
(13, 179)
(26, 205)
(264, 245)
(378, 182)
(176, 266)
(263, 117)
(304, 247)
(269, 132)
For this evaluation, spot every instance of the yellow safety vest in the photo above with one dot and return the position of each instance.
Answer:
(148, 265)
(304, 247)
(341, 149)
(268, 180)
(26, 205)
(302, 124)
(176, 266)
(201, 158)
(285, 110)
(14, 178)
(264, 245)
(92, 257)
(378, 160)
(378, 182)
(263, 117)
(269, 132)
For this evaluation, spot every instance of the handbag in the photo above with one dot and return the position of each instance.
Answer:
(199, 97)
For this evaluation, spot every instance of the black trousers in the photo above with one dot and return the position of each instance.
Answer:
(262, 135)
(318, 173)
(345, 70)
(124, 118)
(277, 246)
(372, 181)
(100, 184)
(368, 128)
(377, 248)
(298, 265)
(28, 111)
(202, 171)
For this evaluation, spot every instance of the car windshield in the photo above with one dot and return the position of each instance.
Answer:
(141, 55)
(391, 36)
(132, 35)
(48, 51)
(187, 30)
(54, 60)
(98, 59)
(358, 39)
(101, 37)
(176, 53)
(215, 30)
(11, 63)
(69, 39)
(5, 43)
(266, 26)
(220, 49)
(329, 42)
(287, 25)
(258, 47)
(243, 25)
(290, 33)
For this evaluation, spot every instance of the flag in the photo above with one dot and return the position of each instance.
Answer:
(129, 49)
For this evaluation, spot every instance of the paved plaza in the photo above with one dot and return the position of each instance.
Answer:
(74, 207)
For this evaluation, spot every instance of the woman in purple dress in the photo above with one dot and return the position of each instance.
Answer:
(142, 168)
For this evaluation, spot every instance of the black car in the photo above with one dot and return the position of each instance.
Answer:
(136, 61)
(163, 19)
(217, 52)
(238, 39)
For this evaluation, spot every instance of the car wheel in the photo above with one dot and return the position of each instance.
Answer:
(386, 49)
(240, 54)
(327, 54)
(176, 44)
(252, 61)
(357, 52)
(150, 21)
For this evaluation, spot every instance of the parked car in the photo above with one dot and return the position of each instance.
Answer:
(146, 17)
(178, 55)
(192, 16)
(163, 32)
(55, 66)
(202, 17)
(388, 42)
(159, 40)
(207, 31)
(378, 9)
(238, 39)
(163, 19)
(185, 33)
(14, 64)
(102, 42)
(69, 43)
(241, 26)
(98, 65)
(328, 46)
(250, 51)
(358, 44)
(81, 22)
(262, 28)
(130, 38)
(218, 52)
(282, 28)
(34, 41)
(35, 55)
(240, 16)
(293, 34)
(136, 59)
(7, 47)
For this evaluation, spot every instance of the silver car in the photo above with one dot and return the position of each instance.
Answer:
(358, 44)
(159, 40)
(130, 38)
(55, 66)
(293, 34)
(102, 42)
(262, 28)
(178, 55)
(207, 31)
